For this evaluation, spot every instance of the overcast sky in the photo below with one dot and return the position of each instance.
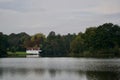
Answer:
(61, 16)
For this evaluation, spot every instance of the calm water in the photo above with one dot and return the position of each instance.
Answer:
(59, 69)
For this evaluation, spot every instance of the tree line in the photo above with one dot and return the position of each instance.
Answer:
(100, 41)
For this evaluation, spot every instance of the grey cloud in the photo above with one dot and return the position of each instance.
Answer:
(62, 16)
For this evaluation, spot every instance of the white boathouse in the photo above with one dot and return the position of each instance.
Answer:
(33, 52)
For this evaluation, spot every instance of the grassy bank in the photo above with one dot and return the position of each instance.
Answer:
(17, 54)
(104, 53)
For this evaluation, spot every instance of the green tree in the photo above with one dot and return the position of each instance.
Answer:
(55, 46)
(17, 41)
(3, 45)
(77, 46)
(38, 40)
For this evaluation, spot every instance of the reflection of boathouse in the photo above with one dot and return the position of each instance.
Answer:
(33, 52)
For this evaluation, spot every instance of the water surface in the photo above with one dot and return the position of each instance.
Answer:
(59, 69)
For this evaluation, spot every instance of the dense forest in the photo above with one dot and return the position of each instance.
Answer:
(100, 41)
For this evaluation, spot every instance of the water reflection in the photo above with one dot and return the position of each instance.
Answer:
(58, 74)
(103, 75)
(84, 70)
(52, 73)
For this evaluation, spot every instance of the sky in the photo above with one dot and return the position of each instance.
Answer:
(61, 16)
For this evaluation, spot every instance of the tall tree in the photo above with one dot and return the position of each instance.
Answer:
(16, 41)
(38, 40)
(77, 46)
(3, 45)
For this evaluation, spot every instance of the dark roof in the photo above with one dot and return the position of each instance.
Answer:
(30, 48)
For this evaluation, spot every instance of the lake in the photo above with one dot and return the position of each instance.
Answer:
(59, 69)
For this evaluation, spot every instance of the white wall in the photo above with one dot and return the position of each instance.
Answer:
(33, 51)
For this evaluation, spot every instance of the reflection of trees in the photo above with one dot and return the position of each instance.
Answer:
(102, 75)
(39, 72)
(52, 72)
(13, 71)
(1, 72)
(20, 71)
